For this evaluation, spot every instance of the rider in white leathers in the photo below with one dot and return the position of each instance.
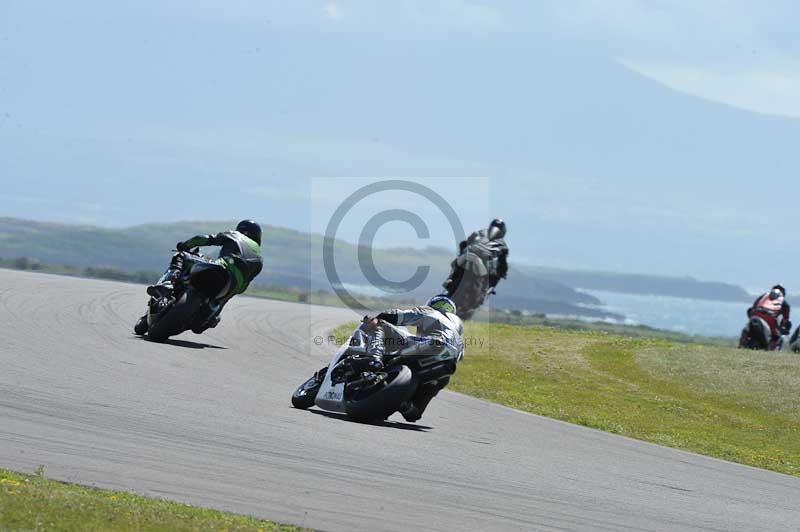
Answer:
(437, 347)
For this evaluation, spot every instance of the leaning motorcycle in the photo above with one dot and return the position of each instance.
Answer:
(757, 335)
(794, 341)
(189, 302)
(475, 284)
(366, 395)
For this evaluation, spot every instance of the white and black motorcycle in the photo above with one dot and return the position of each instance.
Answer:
(345, 388)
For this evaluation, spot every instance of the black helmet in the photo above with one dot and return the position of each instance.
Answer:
(250, 229)
(779, 287)
(497, 229)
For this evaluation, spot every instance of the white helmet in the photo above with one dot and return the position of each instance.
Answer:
(443, 304)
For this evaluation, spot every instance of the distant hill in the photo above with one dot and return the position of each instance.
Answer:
(628, 283)
(292, 259)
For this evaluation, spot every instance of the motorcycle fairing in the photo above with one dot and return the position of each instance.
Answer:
(210, 277)
(759, 326)
(471, 262)
(331, 396)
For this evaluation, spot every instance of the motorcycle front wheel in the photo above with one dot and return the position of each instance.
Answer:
(305, 395)
(140, 328)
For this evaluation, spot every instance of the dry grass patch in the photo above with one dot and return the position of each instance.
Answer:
(769, 381)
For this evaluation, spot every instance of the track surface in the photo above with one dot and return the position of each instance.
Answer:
(207, 420)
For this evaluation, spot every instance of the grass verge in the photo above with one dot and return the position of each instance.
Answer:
(732, 404)
(31, 502)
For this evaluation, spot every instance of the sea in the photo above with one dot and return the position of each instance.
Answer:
(690, 316)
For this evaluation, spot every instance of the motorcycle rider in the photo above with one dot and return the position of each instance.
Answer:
(239, 256)
(774, 310)
(490, 246)
(437, 347)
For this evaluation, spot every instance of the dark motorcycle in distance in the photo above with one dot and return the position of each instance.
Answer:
(794, 341)
(189, 301)
(344, 387)
(470, 283)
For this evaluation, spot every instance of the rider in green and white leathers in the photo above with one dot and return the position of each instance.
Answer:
(240, 256)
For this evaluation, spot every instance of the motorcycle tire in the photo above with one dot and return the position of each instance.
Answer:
(177, 318)
(140, 329)
(755, 337)
(378, 403)
(305, 395)
(794, 347)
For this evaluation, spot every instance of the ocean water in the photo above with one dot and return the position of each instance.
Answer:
(690, 316)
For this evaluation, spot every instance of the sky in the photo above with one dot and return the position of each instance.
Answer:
(654, 137)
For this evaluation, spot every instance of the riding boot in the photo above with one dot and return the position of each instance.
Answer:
(372, 360)
(208, 324)
(366, 364)
(377, 343)
(451, 284)
(213, 310)
(775, 343)
(166, 283)
(412, 410)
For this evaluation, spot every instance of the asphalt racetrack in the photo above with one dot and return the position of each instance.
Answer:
(207, 420)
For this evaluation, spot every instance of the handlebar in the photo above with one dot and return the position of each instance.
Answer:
(194, 251)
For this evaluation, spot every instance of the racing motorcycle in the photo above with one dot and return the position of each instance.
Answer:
(191, 300)
(794, 341)
(475, 285)
(345, 388)
(757, 335)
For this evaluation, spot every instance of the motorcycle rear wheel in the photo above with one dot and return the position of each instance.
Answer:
(177, 318)
(377, 404)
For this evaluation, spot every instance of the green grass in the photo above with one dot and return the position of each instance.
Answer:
(732, 404)
(636, 331)
(31, 502)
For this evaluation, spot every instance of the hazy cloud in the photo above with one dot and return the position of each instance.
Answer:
(760, 89)
(333, 11)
